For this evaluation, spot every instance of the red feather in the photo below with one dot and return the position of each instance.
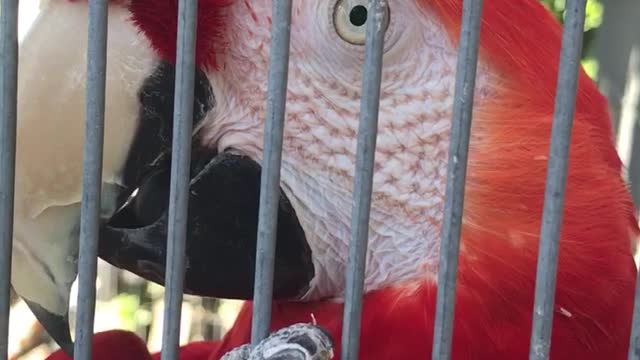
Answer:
(113, 344)
(125, 345)
(159, 22)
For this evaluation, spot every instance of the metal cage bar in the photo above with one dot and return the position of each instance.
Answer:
(634, 343)
(8, 118)
(554, 196)
(180, 171)
(92, 177)
(456, 177)
(270, 175)
(363, 185)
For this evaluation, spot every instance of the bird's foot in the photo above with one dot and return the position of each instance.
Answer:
(296, 342)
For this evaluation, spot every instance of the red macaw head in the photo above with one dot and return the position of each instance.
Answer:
(113, 344)
(513, 109)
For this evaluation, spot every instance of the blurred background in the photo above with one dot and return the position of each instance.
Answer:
(611, 57)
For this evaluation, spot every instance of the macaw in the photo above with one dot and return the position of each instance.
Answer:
(520, 45)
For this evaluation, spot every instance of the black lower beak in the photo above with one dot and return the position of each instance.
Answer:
(221, 232)
(57, 326)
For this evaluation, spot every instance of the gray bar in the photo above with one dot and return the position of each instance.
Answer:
(270, 181)
(8, 111)
(91, 177)
(634, 344)
(365, 160)
(456, 177)
(180, 171)
(556, 179)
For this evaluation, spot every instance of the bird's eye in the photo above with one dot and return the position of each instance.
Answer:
(350, 20)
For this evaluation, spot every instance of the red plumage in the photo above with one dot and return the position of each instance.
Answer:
(113, 344)
(503, 207)
(158, 20)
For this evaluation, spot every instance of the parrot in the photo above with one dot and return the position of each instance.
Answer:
(513, 111)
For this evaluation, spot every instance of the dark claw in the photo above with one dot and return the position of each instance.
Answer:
(296, 342)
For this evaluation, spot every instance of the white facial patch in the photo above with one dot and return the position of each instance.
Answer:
(50, 137)
(320, 140)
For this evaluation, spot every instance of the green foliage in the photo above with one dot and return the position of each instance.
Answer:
(594, 12)
(592, 23)
(130, 311)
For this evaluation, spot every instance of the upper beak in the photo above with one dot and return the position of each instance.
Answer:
(44, 266)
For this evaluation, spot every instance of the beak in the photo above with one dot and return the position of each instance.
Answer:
(221, 232)
(224, 198)
(44, 263)
(57, 326)
(44, 266)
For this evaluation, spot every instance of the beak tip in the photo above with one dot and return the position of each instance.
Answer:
(57, 326)
(67, 348)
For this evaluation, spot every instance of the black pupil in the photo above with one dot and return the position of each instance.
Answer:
(358, 15)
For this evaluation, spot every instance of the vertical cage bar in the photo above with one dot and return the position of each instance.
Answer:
(8, 115)
(180, 171)
(363, 184)
(270, 178)
(456, 177)
(556, 179)
(634, 343)
(91, 177)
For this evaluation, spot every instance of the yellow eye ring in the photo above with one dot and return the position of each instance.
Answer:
(350, 20)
